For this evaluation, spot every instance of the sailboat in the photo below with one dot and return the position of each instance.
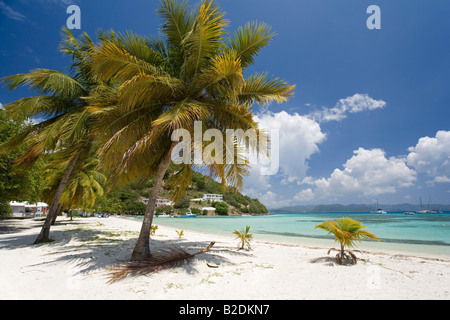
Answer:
(378, 211)
(423, 210)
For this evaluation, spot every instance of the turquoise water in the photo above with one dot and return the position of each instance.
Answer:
(420, 233)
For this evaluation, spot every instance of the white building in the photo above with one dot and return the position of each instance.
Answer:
(213, 197)
(159, 202)
(24, 209)
(210, 198)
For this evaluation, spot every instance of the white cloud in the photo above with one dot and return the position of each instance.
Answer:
(356, 103)
(11, 13)
(2, 106)
(299, 137)
(367, 173)
(431, 156)
(298, 140)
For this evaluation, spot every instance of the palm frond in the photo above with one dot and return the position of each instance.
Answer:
(110, 60)
(248, 41)
(138, 46)
(46, 106)
(165, 259)
(205, 39)
(177, 21)
(179, 181)
(47, 81)
(261, 89)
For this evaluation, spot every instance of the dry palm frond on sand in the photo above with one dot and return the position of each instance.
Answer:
(165, 259)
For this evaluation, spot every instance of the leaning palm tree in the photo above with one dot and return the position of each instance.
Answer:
(346, 231)
(61, 103)
(195, 73)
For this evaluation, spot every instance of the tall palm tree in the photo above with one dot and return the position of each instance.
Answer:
(346, 231)
(61, 101)
(194, 73)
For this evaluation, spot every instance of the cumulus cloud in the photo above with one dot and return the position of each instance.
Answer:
(356, 103)
(431, 156)
(299, 137)
(367, 173)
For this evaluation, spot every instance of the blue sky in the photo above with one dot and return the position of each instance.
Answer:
(370, 116)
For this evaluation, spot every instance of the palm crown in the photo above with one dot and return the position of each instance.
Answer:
(195, 73)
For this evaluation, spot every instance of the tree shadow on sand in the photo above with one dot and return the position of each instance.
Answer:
(108, 251)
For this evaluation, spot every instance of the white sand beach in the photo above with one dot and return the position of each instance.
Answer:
(73, 267)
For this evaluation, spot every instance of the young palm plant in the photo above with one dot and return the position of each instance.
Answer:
(194, 73)
(346, 231)
(245, 237)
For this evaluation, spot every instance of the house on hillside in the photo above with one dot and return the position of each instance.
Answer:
(159, 202)
(210, 198)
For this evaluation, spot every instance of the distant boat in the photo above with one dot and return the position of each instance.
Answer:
(189, 215)
(422, 210)
(410, 213)
(164, 215)
(378, 211)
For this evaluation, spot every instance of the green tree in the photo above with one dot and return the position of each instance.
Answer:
(194, 73)
(221, 208)
(15, 182)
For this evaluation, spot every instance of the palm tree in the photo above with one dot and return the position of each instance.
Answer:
(61, 101)
(245, 237)
(346, 231)
(194, 73)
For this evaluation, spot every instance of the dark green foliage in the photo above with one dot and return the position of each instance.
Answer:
(15, 183)
(221, 208)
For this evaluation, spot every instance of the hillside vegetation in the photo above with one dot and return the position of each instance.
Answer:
(127, 199)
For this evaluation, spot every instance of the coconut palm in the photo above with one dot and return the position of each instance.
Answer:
(245, 237)
(194, 73)
(346, 231)
(61, 103)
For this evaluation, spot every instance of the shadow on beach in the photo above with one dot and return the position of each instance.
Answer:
(90, 247)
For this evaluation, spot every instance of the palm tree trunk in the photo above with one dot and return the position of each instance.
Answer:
(44, 235)
(58, 210)
(141, 250)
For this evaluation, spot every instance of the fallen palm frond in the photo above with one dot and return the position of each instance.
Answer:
(165, 259)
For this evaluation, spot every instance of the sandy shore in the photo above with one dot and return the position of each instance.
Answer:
(73, 267)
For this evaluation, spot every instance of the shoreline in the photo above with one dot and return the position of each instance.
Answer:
(74, 267)
(384, 246)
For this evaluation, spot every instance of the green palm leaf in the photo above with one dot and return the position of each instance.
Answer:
(248, 41)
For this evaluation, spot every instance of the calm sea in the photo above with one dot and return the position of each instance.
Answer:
(420, 233)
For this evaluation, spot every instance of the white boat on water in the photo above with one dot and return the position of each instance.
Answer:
(378, 211)
(164, 215)
(410, 213)
(424, 211)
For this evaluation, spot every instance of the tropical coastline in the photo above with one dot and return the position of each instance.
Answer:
(141, 163)
(74, 266)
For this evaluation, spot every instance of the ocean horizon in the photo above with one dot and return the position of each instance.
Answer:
(398, 233)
